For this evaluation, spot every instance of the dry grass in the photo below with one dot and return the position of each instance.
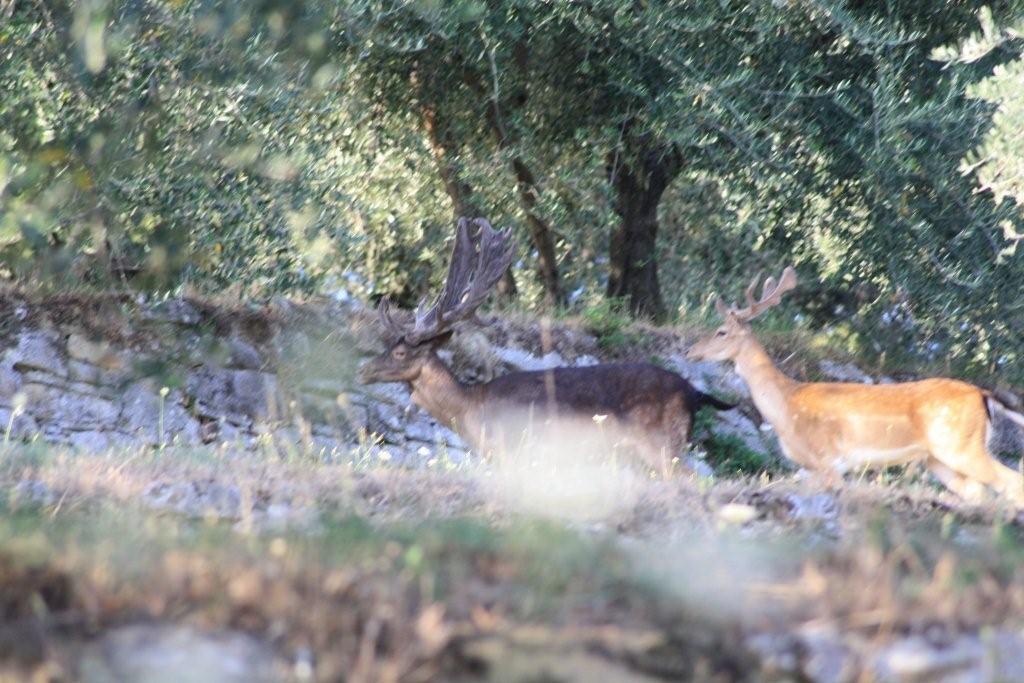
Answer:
(429, 574)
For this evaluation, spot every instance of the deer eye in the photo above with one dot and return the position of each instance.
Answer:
(720, 333)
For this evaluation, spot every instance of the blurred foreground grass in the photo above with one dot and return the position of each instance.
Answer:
(441, 575)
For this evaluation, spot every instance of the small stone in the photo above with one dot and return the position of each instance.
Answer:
(915, 659)
(826, 659)
(157, 652)
(777, 653)
(194, 498)
(174, 311)
(819, 506)
(737, 513)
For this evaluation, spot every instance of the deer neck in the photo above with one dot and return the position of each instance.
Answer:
(441, 394)
(769, 387)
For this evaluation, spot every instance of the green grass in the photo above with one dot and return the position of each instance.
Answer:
(727, 454)
(610, 323)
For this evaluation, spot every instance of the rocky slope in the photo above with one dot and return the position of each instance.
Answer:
(98, 372)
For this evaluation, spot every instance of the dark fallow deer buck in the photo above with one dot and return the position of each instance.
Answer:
(645, 407)
(833, 428)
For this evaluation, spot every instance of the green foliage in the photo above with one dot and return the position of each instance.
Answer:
(726, 453)
(729, 455)
(256, 148)
(609, 322)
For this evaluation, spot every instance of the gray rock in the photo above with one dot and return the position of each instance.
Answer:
(71, 411)
(1004, 659)
(817, 507)
(66, 384)
(394, 393)
(87, 373)
(709, 377)
(243, 355)
(387, 419)
(157, 653)
(421, 427)
(778, 652)
(324, 386)
(37, 350)
(256, 394)
(915, 659)
(10, 380)
(450, 438)
(34, 492)
(735, 423)
(280, 516)
(140, 416)
(90, 441)
(97, 353)
(221, 393)
(23, 427)
(229, 432)
(194, 498)
(845, 372)
(699, 466)
(174, 311)
(524, 360)
(826, 658)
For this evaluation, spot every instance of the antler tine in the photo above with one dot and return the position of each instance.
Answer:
(429, 322)
(387, 321)
(471, 276)
(748, 293)
(495, 256)
(771, 294)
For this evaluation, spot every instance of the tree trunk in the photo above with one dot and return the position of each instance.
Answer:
(639, 178)
(540, 234)
(527, 188)
(458, 190)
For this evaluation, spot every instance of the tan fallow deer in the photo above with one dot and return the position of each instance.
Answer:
(646, 407)
(833, 428)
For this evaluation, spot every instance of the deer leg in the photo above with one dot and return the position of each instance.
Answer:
(987, 470)
(977, 468)
(827, 477)
(963, 486)
(1009, 482)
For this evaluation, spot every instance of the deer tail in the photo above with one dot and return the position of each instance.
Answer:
(718, 404)
(992, 403)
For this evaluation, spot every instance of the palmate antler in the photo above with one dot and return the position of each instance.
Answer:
(475, 267)
(771, 295)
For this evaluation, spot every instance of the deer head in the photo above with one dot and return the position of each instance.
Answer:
(477, 263)
(729, 339)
